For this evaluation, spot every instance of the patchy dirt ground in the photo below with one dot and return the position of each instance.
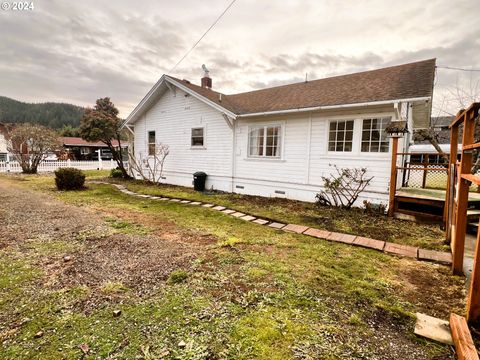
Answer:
(434, 293)
(89, 252)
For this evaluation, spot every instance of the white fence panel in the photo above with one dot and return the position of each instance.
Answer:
(52, 165)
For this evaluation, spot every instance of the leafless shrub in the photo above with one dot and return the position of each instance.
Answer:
(342, 188)
(149, 167)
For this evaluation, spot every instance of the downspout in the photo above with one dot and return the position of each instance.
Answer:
(234, 148)
(309, 149)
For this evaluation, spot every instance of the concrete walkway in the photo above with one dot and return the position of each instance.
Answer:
(379, 245)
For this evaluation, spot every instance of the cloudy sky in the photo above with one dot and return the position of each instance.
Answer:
(78, 51)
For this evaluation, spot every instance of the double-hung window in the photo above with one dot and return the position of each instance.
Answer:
(374, 137)
(340, 136)
(197, 137)
(264, 141)
(151, 143)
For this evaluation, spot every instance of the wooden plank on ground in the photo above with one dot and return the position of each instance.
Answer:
(401, 250)
(295, 228)
(437, 256)
(369, 243)
(462, 338)
(433, 328)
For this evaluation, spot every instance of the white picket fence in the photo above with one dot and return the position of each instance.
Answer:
(52, 165)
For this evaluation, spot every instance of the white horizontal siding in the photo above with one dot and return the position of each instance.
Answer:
(172, 118)
(306, 159)
(291, 167)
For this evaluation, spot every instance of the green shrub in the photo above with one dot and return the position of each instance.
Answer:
(69, 179)
(177, 276)
(116, 173)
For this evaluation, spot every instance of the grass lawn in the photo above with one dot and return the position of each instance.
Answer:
(192, 283)
(354, 221)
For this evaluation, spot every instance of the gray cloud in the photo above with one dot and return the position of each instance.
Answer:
(79, 51)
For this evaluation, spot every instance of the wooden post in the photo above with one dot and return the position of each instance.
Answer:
(449, 199)
(393, 177)
(425, 164)
(463, 189)
(473, 304)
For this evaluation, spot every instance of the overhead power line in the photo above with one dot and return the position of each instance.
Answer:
(205, 33)
(457, 68)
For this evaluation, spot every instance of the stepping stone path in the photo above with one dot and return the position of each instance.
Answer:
(248, 218)
(379, 245)
(276, 225)
(260, 221)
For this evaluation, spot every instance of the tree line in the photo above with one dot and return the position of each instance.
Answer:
(50, 114)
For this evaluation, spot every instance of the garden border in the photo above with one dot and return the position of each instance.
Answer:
(379, 245)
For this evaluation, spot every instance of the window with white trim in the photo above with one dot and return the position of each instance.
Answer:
(151, 143)
(374, 137)
(340, 136)
(197, 137)
(264, 141)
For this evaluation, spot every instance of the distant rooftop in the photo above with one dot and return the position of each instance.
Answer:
(76, 141)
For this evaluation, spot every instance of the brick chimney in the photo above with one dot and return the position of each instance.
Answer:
(206, 80)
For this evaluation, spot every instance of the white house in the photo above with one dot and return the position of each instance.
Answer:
(4, 154)
(280, 141)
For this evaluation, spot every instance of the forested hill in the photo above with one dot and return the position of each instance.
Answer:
(54, 115)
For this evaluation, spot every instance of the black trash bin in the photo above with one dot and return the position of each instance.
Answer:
(199, 179)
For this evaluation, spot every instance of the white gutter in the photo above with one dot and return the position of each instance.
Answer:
(330, 107)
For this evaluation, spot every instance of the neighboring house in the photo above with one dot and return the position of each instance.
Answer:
(280, 141)
(4, 130)
(76, 148)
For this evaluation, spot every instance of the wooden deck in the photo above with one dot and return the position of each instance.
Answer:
(428, 204)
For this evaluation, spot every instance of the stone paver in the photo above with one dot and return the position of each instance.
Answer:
(295, 228)
(143, 196)
(185, 201)
(228, 211)
(369, 243)
(219, 208)
(208, 205)
(165, 198)
(237, 214)
(276, 225)
(175, 200)
(432, 255)
(261, 221)
(343, 238)
(248, 218)
(401, 250)
(195, 203)
(321, 234)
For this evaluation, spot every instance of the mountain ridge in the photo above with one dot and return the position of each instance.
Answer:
(52, 114)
